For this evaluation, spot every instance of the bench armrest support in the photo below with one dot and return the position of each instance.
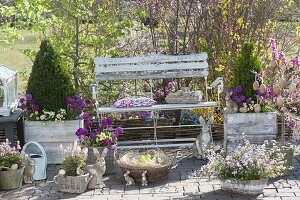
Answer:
(217, 83)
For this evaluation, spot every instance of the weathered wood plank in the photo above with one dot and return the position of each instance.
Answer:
(257, 128)
(157, 58)
(133, 76)
(151, 67)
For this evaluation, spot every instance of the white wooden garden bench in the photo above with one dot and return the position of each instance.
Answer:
(155, 67)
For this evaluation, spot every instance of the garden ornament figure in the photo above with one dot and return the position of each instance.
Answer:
(128, 179)
(144, 178)
(231, 106)
(97, 169)
(204, 138)
(29, 170)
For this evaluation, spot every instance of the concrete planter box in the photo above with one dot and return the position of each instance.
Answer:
(50, 135)
(257, 127)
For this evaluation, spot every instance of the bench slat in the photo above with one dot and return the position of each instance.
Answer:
(152, 67)
(144, 75)
(159, 107)
(157, 58)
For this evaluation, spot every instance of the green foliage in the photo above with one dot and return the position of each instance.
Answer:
(8, 160)
(49, 82)
(245, 64)
(71, 162)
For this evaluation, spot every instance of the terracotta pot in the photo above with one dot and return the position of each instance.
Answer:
(252, 187)
(11, 179)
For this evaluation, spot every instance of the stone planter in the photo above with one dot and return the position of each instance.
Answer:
(51, 135)
(253, 187)
(72, 184)
(11, 179)
(257, 127)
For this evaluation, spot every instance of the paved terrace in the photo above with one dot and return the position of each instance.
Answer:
(179, 185)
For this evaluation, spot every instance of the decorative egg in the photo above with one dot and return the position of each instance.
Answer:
(281, 82)
(279, 101)
(273, 64)
(14, 167)
(62, 172)
(257, 108)
(243, 110)
(276, 89)
(262, 88)
(255, 85)
(292, 88)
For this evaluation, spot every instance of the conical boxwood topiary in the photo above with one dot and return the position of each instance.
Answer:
(49, 82)
(246, 62)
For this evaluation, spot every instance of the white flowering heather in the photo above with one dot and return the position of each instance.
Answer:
(74, 150)
(247, 162)
(75, 157)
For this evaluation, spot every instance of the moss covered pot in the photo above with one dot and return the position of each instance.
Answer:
(11, 179)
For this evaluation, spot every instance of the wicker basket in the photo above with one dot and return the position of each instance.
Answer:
(154, 174)
(184, 99)
(109, 159)
(72, 184)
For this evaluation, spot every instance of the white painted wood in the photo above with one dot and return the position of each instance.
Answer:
(257, 127)
(156, 58)
(155, 146)
(160, 140)
(50, 135)
(159, 107)
(147, 75)
(151, 67)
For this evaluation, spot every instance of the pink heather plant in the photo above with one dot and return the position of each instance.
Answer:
(247, 162)
(10, 155)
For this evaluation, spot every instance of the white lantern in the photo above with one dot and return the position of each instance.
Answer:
(8, 91)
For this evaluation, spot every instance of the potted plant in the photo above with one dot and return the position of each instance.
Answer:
(72, 178)
(48, 119)
(103, 136)
(11, 166)
(247, 169)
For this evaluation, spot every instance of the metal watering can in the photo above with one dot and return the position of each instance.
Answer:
(40, 161)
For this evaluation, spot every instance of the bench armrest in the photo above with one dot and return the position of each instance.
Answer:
(217, 83)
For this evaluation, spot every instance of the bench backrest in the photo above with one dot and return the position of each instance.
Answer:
(151, 67)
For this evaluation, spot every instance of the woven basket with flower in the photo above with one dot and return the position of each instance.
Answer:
(72, 178)
(156, 162)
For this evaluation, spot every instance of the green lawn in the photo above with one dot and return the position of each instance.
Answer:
(12, 56)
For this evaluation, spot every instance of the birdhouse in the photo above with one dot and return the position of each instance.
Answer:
(8, 90)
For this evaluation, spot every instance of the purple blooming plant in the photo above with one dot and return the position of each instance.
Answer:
(78, 105)
(103, 135)
(30, 107)
(238, 96)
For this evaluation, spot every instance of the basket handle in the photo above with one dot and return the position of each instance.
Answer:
(55, 179)
(40, 147)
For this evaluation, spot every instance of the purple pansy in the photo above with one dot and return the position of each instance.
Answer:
(89, 122)
(28, 97)
(85, 116)
(93, 136)
(106, 141)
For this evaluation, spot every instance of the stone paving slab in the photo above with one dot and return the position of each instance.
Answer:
(179, 185)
